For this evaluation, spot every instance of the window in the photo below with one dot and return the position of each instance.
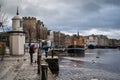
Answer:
(21, 23)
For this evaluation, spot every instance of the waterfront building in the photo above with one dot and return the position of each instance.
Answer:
(97, 40)
(117, 42)
(51, 38)
(92, 40)
(62, 39)
(67, 40)
(59, 39)
(102, 40)
(85, 38)
(56, 39)
(114, 42)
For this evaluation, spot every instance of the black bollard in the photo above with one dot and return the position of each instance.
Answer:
(39, 62)
(52, 54)
(44, 75)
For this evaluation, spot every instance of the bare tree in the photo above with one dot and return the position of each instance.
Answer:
(28, 27)
(3, 17)
(38, 24)
(3, 21)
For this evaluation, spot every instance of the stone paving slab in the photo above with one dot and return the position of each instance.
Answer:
(19, 68)
(28, 71)
(8, 65)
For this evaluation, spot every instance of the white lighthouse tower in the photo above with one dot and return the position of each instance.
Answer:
(17, 36)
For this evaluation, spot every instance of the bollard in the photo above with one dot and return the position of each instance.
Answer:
(52, 54)
(39, 62)
(44, 75)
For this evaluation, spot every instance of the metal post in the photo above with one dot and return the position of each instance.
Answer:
(44, 75)
(52, 53)
(39, 59)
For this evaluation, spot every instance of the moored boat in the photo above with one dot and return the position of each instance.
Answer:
(77, 49)
(76, 45)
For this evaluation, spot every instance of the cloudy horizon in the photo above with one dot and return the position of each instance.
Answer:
(99, 17)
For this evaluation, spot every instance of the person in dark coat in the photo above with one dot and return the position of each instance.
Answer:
(46, 47)
(31, 52)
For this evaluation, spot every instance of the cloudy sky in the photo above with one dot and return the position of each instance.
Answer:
(70, 16)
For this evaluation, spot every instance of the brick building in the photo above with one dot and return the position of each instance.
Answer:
(67, 40)
(59, 39)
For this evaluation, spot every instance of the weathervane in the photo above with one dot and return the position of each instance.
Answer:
(17, 11)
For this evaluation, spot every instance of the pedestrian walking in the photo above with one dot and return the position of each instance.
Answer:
(31, 52)
(46, 47)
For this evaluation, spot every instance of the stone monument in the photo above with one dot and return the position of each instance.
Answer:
(17, 36)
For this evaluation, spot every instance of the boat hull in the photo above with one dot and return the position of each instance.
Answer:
(91, 47)
(76, 49)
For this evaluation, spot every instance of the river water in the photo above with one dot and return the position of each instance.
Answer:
(96, 64)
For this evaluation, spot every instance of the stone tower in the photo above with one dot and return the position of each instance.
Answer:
(29, 25)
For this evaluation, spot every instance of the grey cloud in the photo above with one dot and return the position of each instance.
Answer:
(70, 15)
(109, 2)
(91, 7)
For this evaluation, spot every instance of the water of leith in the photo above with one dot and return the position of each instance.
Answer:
(96, 64)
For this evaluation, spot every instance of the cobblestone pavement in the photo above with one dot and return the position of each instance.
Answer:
(18, 68)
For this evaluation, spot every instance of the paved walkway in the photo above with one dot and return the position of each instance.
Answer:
(19, 68)
(28, 71)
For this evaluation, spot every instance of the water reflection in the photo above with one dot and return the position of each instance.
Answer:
(98, 63)
(76, 54)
